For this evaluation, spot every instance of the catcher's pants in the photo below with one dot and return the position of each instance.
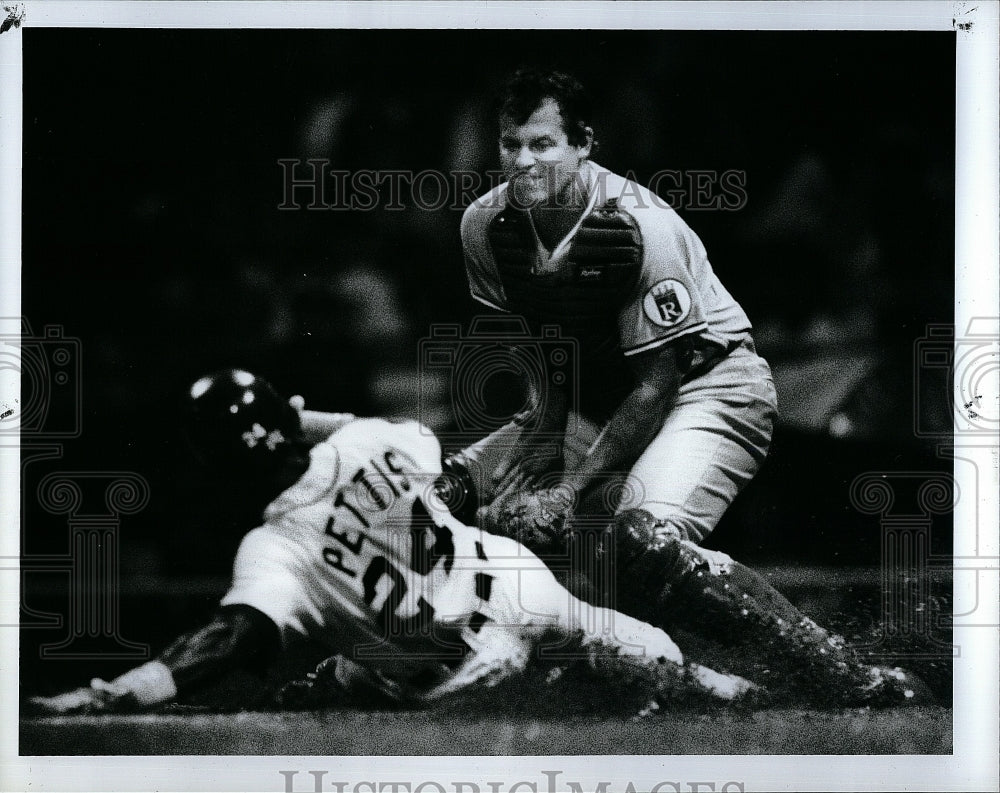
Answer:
(712, 442)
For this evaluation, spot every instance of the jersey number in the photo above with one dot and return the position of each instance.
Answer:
(423, 559)
(430, 545)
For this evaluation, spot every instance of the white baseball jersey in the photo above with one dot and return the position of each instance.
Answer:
(360, 555)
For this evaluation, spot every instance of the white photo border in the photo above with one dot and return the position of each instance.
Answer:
(973, 766)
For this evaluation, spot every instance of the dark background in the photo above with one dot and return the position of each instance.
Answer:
(151, 233)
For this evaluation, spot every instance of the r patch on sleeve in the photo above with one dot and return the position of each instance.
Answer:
(667, 303)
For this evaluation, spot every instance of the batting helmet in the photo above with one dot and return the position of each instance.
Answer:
(236, 419)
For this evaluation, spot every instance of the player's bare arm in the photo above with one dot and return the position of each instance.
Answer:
(531, 457)
(521, 510)
(637, 419)
(237, 637)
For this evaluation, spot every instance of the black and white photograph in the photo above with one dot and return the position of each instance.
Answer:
(467, 397)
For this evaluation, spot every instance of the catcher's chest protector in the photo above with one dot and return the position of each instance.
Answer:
(589, 288)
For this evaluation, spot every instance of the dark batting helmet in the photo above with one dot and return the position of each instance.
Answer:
(236, 419)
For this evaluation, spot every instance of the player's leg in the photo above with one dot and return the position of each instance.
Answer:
(711, 445)
(632, 649)
(616, 646)
(676, 583)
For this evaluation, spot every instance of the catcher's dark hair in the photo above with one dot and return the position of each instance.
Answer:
(528, 87)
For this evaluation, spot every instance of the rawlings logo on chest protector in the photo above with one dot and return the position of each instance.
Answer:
(600, 269)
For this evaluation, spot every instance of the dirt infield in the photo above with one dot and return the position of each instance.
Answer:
(531, 716)
(894, 731)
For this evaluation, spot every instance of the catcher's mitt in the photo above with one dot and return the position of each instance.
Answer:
(537, 519)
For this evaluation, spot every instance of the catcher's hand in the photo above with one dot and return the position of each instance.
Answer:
(536, 519)
(100, 697)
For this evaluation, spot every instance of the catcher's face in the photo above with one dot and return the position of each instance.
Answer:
(537, 158)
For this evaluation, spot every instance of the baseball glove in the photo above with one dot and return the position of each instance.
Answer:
(536, 519)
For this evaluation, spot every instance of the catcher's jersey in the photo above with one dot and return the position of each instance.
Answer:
(676, 294)
(360, 554)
